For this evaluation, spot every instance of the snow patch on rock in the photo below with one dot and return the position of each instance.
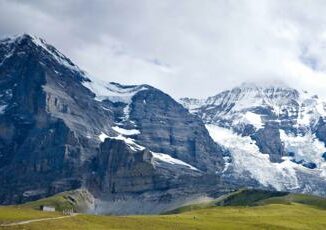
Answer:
(126, 132)
(130, 142)
(170, 160)
(250, 118)
(192, 104)
(306, 147)
(103, 136)
(254, 119)
(60, 58)
(112, 91)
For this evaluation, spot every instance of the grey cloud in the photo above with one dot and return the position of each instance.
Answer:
(187, 47)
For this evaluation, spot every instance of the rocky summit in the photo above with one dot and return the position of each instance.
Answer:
(134, 149)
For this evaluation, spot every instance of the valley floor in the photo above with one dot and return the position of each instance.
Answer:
(270, 216)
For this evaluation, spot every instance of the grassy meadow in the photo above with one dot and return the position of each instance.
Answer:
(280, 211)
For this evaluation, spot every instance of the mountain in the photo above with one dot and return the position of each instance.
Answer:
(274, 134)
(128, 145)
(132, 149)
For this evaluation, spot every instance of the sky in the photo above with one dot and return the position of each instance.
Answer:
(193, 48)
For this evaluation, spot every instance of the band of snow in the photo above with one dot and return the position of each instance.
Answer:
(157, 156)
(112, 91)
(129, 141)
(170, 160)
(126, 132)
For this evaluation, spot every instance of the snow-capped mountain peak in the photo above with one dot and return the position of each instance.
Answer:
(273, 132)
(249, 96)
(255, 104)
(11, 45)
(246, 96)
(192, 103)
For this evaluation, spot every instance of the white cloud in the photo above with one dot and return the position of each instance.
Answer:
(186, 48)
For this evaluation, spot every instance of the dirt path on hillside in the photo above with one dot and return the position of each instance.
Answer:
(36, 220)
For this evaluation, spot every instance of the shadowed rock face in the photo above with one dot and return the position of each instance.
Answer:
(42, 145)
(268, 141)
(122, 170)
(134, 182)
(119, 169)
(51, 127)
(167, 127)
(321, 130)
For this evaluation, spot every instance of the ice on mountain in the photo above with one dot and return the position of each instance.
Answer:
(112, 91)
(246, 157)
(60, 58)
(39, 42)
(170, 160)
(305, 147)
(126, 132)
(103, 136)
(251, 118)
(129, 141)
(126, 111)
(192, 104)
(157, 157)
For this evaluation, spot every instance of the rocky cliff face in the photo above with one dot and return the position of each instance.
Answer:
(133, 180)
(61, 129)
(275, 135)
(166, 127)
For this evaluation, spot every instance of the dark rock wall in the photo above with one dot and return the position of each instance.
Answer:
(168, 128)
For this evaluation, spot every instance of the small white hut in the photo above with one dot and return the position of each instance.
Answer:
(45, 208)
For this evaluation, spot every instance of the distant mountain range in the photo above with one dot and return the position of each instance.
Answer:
(136, 149)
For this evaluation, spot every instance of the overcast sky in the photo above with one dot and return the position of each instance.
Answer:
(187, 47)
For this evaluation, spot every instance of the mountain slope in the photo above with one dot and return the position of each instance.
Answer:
(274, 135)
(254, 197)
(61, 129)
(135, 149)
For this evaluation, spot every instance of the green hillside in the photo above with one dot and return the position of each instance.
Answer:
(254, 197)
(76, 200)
(264, 210)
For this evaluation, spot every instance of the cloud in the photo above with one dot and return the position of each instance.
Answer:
(187, 47)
